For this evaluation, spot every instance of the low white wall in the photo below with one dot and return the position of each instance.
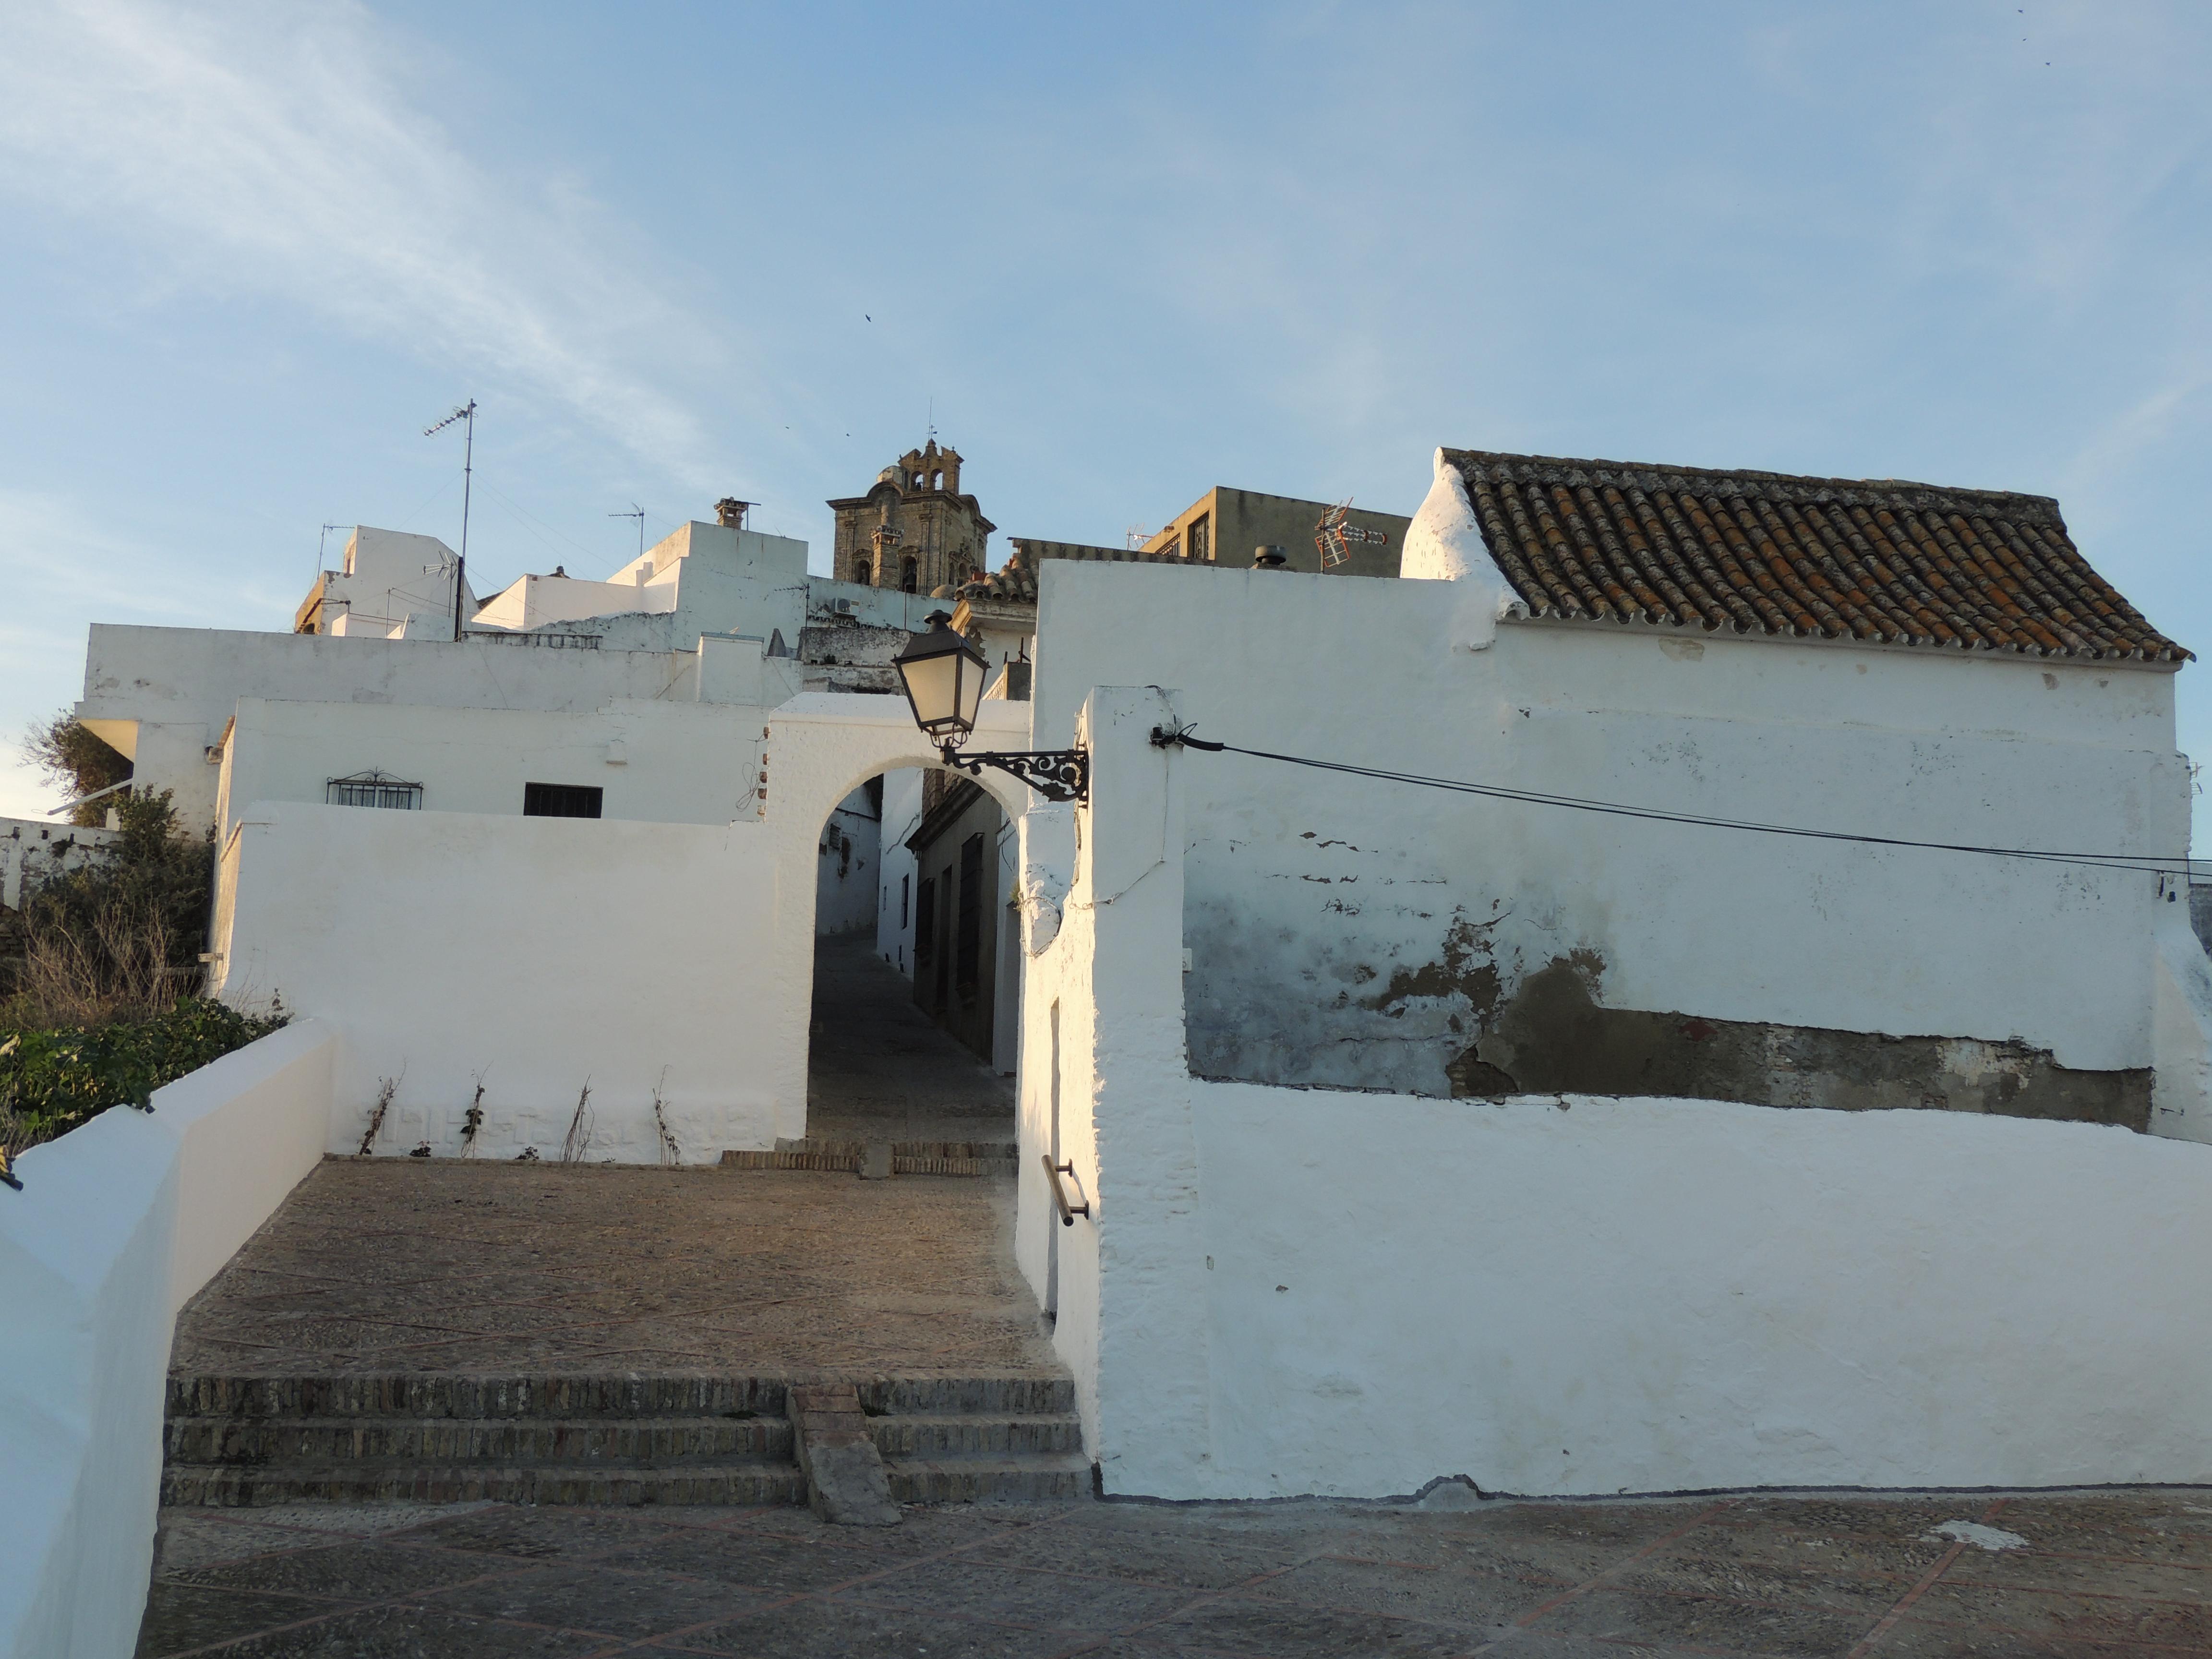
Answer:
(1592, 1296)
(119, 1224)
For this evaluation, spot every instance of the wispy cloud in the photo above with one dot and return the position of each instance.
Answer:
(274, 149)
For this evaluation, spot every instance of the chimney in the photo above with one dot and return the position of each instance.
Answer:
(1270, 557)
(730, 512)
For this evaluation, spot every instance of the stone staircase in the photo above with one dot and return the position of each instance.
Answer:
(247, 1441)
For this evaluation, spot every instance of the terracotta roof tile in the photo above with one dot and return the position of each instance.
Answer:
(1879, 559)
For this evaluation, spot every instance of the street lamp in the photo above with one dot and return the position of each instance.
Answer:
(943, 674)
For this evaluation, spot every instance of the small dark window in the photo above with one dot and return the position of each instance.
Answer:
(561, 800)
(967, 965)
(910, 576)
(904, 880)
(860, 572)
(924, 921)
(373, 789)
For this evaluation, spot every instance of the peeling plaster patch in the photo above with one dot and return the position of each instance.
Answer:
(1553, 1036)
(1465, 969)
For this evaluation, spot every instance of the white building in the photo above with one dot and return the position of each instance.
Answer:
(1577, 1131)
(1425, 1133)
(392, 585)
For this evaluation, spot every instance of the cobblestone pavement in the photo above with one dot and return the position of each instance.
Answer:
(879, 1068)
(2098, 1574)
(399, 1265)
(476, 1265)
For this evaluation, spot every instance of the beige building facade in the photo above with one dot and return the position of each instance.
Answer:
(1224, 526)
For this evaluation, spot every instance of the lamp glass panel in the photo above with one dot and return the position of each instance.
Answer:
(932, 685)
(971, 691)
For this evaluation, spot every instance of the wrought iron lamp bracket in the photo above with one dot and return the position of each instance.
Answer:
(1055, 774)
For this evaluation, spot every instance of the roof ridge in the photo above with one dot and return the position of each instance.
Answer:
(1803, 481)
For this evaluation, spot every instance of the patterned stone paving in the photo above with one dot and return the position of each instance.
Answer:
(394, 1265)
(2100, 1574)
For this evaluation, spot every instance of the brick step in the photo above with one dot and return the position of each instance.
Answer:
(245, 1441)
(635, 1443)
(983, 1480)
(836, 1156)
(574, 1397)
(217, 1487)
(980, 1436)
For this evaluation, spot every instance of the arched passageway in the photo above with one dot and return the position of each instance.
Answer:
(911, 1035)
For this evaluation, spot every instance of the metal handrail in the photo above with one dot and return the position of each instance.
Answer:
(1053, 1172)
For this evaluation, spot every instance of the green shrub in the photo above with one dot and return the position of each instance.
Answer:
(53, 1079)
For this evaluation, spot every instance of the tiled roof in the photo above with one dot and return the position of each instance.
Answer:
(1877, 559)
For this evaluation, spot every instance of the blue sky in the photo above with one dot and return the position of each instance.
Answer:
(1123, 254)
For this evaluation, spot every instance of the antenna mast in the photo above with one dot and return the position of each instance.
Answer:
(637, 512)
(466, 412)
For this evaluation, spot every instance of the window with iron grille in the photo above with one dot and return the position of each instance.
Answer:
(561, 800)
(1201, 537)
(969, 953)
(374, 788)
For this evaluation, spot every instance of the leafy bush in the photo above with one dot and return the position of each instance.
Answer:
(69, 754)
(96, 972)
(53, 1079)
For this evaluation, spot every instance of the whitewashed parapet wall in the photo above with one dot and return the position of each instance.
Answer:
(119, 1225)
(1287, 1290)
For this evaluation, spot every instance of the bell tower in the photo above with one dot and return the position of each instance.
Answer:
(914, 530)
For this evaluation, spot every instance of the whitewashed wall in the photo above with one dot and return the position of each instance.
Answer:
(163, 696)
(120, 1222)
(1284, 1290)
(895, 872)
(532, 955)
(36, 850)
(845, 887)
(1340, 927)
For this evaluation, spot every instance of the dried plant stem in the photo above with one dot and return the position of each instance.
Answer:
(386, 1087)
(579, 1138)
(472, 1121)
(669, 1151)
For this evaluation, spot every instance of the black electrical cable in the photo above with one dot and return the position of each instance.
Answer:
(1164, 737)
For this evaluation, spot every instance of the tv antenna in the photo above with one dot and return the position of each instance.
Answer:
(466, 412)
(637, 512)
(1135, 536)
(322, 544)
(1335, 538)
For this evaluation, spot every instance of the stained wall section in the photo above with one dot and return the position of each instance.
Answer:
(1349, 933)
